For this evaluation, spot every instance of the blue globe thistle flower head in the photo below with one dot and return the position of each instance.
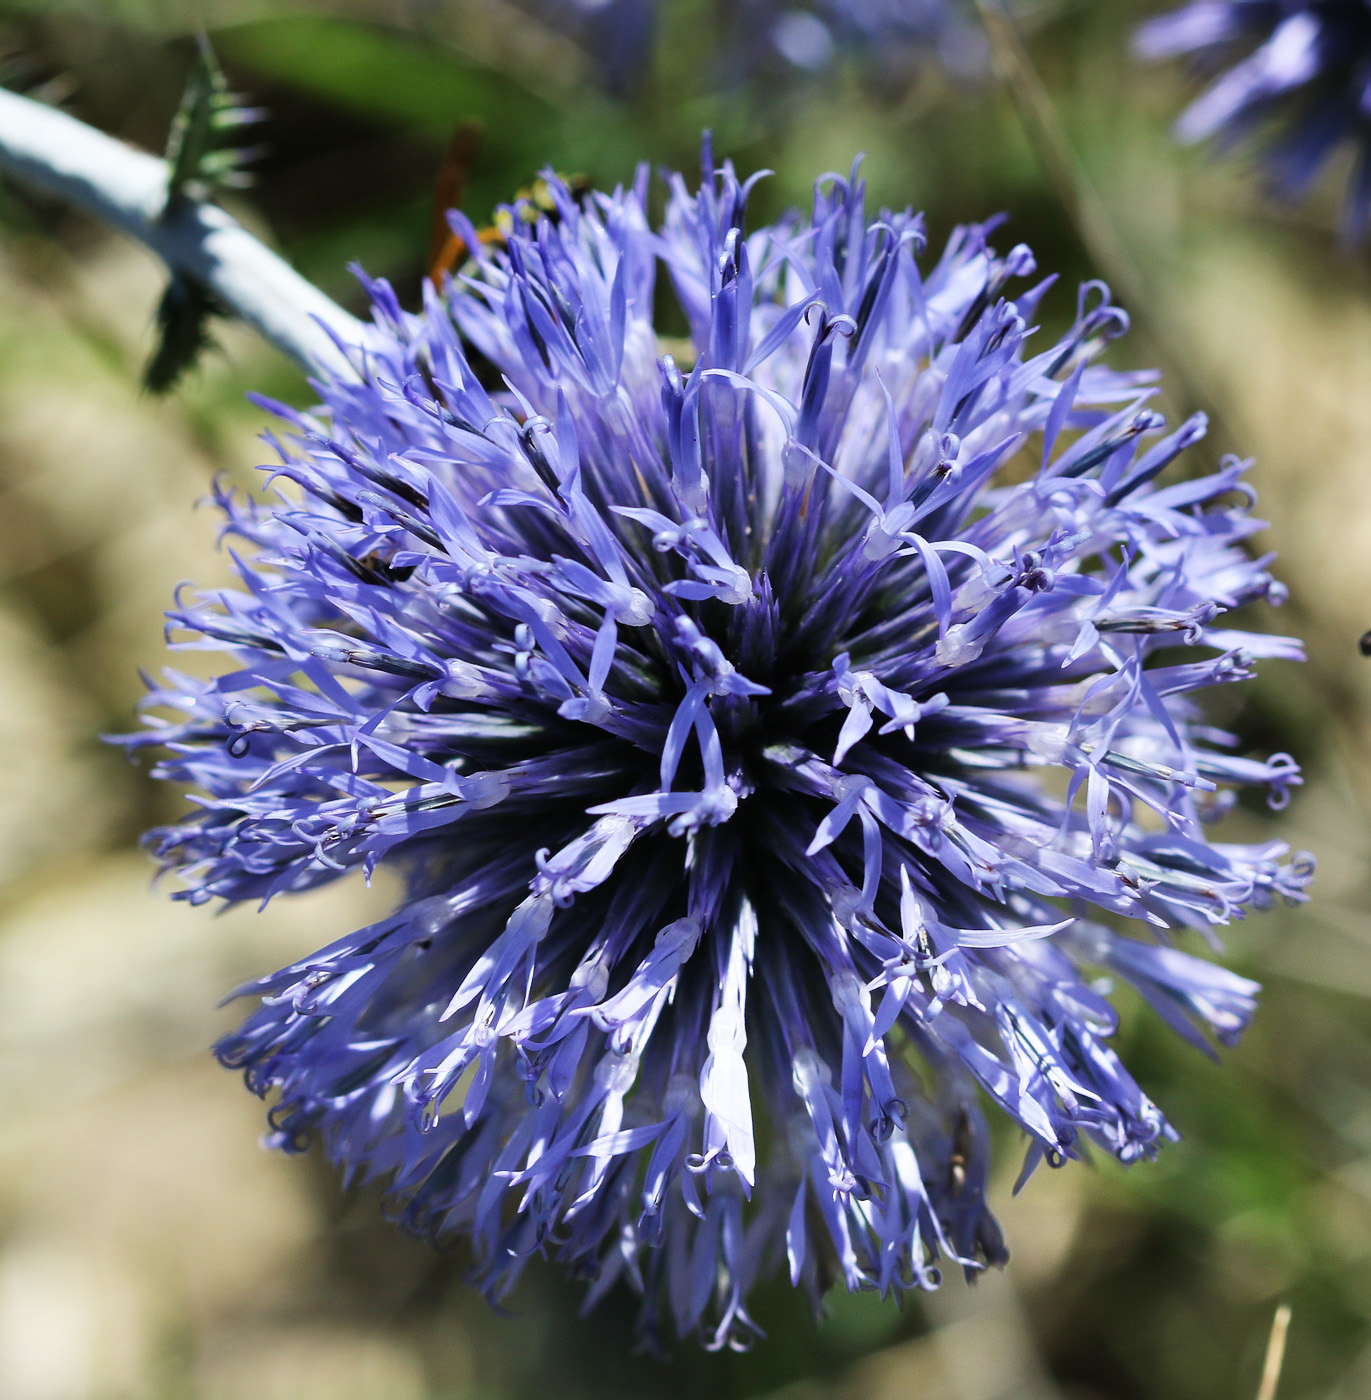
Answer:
(1291, 75)
(893, 36)
(617, 35)
(775, 38)
(779, 739)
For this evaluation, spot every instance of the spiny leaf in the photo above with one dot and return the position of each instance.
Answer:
(201, 161)
(183, 332)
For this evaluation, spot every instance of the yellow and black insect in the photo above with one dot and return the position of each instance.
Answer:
(448, 250)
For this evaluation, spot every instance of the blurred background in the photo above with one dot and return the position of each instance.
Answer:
(148, 1247)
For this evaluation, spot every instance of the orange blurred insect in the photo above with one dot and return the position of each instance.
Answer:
(448, 250)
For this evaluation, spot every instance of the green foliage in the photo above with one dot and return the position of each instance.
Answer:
(183, 332)
(392, 76)
(201, 160)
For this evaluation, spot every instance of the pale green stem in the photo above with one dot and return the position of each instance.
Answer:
(61, 156)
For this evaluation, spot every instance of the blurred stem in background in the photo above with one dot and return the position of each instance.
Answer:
(1275, 1354)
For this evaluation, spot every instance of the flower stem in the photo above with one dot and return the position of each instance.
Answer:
(58, 155)
(1275, 1354)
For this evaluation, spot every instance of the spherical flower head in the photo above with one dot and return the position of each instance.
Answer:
(779, 739)
(1295, 75)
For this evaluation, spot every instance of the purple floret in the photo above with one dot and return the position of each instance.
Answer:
(779, 739)
(1292, 75)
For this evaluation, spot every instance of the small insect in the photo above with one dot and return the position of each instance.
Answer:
(448, 250)
(962, 1144)
(375, 568)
